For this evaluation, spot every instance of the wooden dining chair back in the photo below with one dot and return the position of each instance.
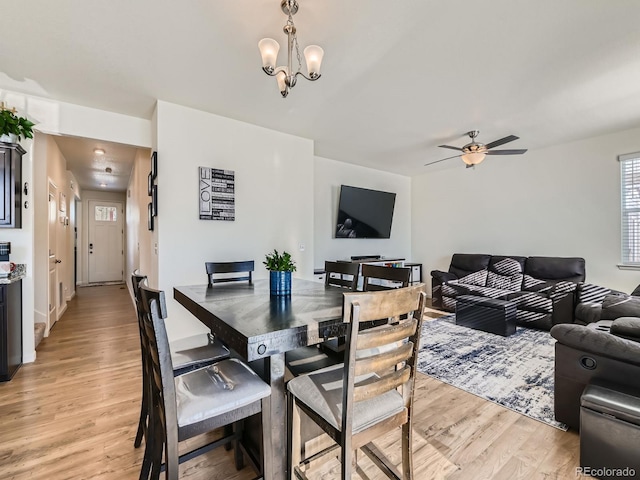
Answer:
(194, 403)
(372, 393)
(187, 354)
(226, 271)
(385, 278)
(341, 274)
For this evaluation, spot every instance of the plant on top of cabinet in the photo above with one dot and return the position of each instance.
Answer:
(13, 127)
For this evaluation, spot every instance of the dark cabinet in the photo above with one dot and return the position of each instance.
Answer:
(10, 329)
(11, 185)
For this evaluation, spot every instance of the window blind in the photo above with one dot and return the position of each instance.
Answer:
(630, 201)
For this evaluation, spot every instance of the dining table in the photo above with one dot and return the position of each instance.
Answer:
(261, 328)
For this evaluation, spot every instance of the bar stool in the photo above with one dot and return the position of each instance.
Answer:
(194, 403)
(186, 354)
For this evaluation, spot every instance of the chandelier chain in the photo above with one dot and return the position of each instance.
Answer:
(295, 41)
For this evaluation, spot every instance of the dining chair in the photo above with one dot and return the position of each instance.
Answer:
(387, 277)
(314, 357)
(186, 354)
(371, 393)
(341, 274)
(227, 270)
(194, 403)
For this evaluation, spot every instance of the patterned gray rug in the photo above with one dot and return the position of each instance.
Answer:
(515, 372)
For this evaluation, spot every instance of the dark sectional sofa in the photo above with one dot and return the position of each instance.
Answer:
(541, 287)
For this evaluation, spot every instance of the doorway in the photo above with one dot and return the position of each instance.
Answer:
(106, 232)
(52, 312)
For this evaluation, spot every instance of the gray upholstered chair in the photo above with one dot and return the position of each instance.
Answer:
(359, 400)
(602, 352)
(194, 403)
(187, 354)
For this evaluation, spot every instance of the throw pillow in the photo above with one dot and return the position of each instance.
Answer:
(636, 292)
(478, 278)
(505, 275)
(616, 306)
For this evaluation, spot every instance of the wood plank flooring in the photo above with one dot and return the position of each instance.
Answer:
(73, 415)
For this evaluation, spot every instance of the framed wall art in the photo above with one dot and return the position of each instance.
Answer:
(154, 165)
(217, 199)
(150, 217)
(154, 200)
(149, 184)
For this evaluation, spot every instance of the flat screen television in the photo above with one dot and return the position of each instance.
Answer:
(364, 213)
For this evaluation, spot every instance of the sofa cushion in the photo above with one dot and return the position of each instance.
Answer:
(478, 278)
(627, 327)
(588, 312)
(531, 301)
(505, 273)
(462, 264)
(570, 269)
(453, 289)
(615, 306)
(636, 292)
(588, 292)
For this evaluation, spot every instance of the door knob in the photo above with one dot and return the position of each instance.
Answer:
(58, 261)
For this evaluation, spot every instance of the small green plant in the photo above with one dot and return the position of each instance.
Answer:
(10, 123)
(279, 263)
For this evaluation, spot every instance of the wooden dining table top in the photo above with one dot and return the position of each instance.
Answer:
(256, 325)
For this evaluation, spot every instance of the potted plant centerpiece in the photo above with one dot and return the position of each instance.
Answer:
(280, 267)
(12, 127)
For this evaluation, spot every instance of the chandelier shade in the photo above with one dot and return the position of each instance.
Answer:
(269, 48)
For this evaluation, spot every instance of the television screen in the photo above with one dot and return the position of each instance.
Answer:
(364, 213)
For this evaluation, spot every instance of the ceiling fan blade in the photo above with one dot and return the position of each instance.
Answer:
(507, 152)
(441, 160)
(502, 141)
(452, 148)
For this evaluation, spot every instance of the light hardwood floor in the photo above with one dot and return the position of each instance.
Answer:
(73, 415)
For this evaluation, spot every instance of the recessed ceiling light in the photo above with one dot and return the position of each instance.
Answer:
(103, 185)
(98, 151)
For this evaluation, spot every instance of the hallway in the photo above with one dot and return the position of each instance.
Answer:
(73, 413)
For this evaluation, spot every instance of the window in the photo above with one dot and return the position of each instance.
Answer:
(106, 214)
(630, 192)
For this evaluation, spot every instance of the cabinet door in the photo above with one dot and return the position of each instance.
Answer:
(5, 184)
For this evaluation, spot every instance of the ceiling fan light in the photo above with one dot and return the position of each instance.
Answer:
(473, 158)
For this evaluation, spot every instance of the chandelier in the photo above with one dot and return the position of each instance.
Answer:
(285, 76)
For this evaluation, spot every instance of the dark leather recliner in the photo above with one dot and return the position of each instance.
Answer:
(592, 355)
(595, 303)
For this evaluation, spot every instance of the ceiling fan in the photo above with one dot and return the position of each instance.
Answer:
(473, 153)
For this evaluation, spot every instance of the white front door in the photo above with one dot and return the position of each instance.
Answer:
(53, 261)
(106, 254)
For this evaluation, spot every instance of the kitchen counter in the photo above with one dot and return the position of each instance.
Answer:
(18, 274)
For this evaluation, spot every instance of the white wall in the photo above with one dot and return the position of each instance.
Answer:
(328, 176)
(557, 201)
(139, 238)
(274, 200)
(83, 230)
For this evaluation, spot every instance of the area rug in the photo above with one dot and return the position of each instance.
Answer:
(515, 372)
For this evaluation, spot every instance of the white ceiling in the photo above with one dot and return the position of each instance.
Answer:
(399, 78)
(90, 169)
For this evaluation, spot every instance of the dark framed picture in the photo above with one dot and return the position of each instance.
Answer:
(150, 217)
(154, 200)
(149, 184)
(154, 164)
